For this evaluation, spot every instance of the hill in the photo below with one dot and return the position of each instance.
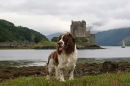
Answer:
(53, 35)
(113, 37)
(10, 33)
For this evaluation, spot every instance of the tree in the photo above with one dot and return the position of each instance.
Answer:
(37, 39)
(54, 39)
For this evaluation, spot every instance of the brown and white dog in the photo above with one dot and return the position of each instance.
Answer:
(64, 58)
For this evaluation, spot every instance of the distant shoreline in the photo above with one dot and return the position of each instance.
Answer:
(43, 45)
(49, 47)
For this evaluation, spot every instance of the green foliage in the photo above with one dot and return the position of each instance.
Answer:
(9, 32)
(47, 43)
(54, 39)
(97, 80)
(37, 39)
(81, 39)
(44, 45)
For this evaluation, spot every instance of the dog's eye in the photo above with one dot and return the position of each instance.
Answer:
(59, 38)
(65, 39)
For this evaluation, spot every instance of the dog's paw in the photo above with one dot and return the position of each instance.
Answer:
(62, 80)
(71, 78)
(47, 77)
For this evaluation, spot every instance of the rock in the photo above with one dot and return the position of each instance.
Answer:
(109, 66)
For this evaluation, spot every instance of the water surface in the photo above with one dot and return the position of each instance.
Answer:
(39, 56)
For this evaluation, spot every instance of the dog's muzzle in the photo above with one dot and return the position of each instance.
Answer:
(60, 46)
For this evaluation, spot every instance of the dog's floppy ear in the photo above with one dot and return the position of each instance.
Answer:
(71, 36)
(73, 39)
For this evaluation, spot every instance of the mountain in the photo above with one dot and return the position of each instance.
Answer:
(53, 35)
(10, 32)
(113, 37)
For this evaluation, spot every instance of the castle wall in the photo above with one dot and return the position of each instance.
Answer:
(79, 32)
(87, 33)
(78, 29)
(92, 37)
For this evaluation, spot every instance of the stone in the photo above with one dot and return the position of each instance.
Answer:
(78, 29)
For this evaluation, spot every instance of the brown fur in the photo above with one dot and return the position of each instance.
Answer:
(54, 55)
(67, 46)
(69, 43)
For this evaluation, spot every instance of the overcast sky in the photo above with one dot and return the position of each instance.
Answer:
(51, 16)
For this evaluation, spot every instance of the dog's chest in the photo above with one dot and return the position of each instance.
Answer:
(67, 61)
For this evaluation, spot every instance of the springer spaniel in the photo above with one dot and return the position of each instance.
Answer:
(64, 58)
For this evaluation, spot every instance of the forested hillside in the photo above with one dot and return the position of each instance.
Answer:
(113, 37)
(10, 32)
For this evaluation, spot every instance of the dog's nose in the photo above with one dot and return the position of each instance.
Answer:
(59, 43)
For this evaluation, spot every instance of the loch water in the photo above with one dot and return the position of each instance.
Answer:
(40, 56)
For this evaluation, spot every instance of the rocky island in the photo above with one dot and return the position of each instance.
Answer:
(25, 38)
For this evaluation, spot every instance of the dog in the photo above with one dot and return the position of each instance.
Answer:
(64, 59)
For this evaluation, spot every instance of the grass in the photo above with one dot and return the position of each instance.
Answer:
(47, 43)
(98, 80)
(44, 44)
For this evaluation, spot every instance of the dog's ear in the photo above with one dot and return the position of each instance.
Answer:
(73, 39)
(71, 36)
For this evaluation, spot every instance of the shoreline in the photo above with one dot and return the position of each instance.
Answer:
(39, 62)
(82, 68)
(50, 47)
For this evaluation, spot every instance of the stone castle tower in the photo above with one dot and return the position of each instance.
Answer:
(78, 29)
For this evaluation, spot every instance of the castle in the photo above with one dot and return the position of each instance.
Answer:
(78, 29)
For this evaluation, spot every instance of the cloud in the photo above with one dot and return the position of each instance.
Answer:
(49, 16)
(44, 24)
(113, 24)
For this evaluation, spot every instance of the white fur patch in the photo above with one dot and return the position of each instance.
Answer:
(67, 63)
(61, 40)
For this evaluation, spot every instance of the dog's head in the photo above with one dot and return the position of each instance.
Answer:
(66, 43)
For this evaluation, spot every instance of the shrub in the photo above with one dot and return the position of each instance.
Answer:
(54, 39)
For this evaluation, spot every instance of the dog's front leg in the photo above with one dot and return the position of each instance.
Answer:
(71, 73)
(49, 73)
(61, 75)
(71, 77)
(57, 73)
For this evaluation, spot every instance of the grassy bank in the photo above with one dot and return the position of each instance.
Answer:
(98, 80)
(51, 45)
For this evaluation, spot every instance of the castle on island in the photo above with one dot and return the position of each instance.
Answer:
(78, 29)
